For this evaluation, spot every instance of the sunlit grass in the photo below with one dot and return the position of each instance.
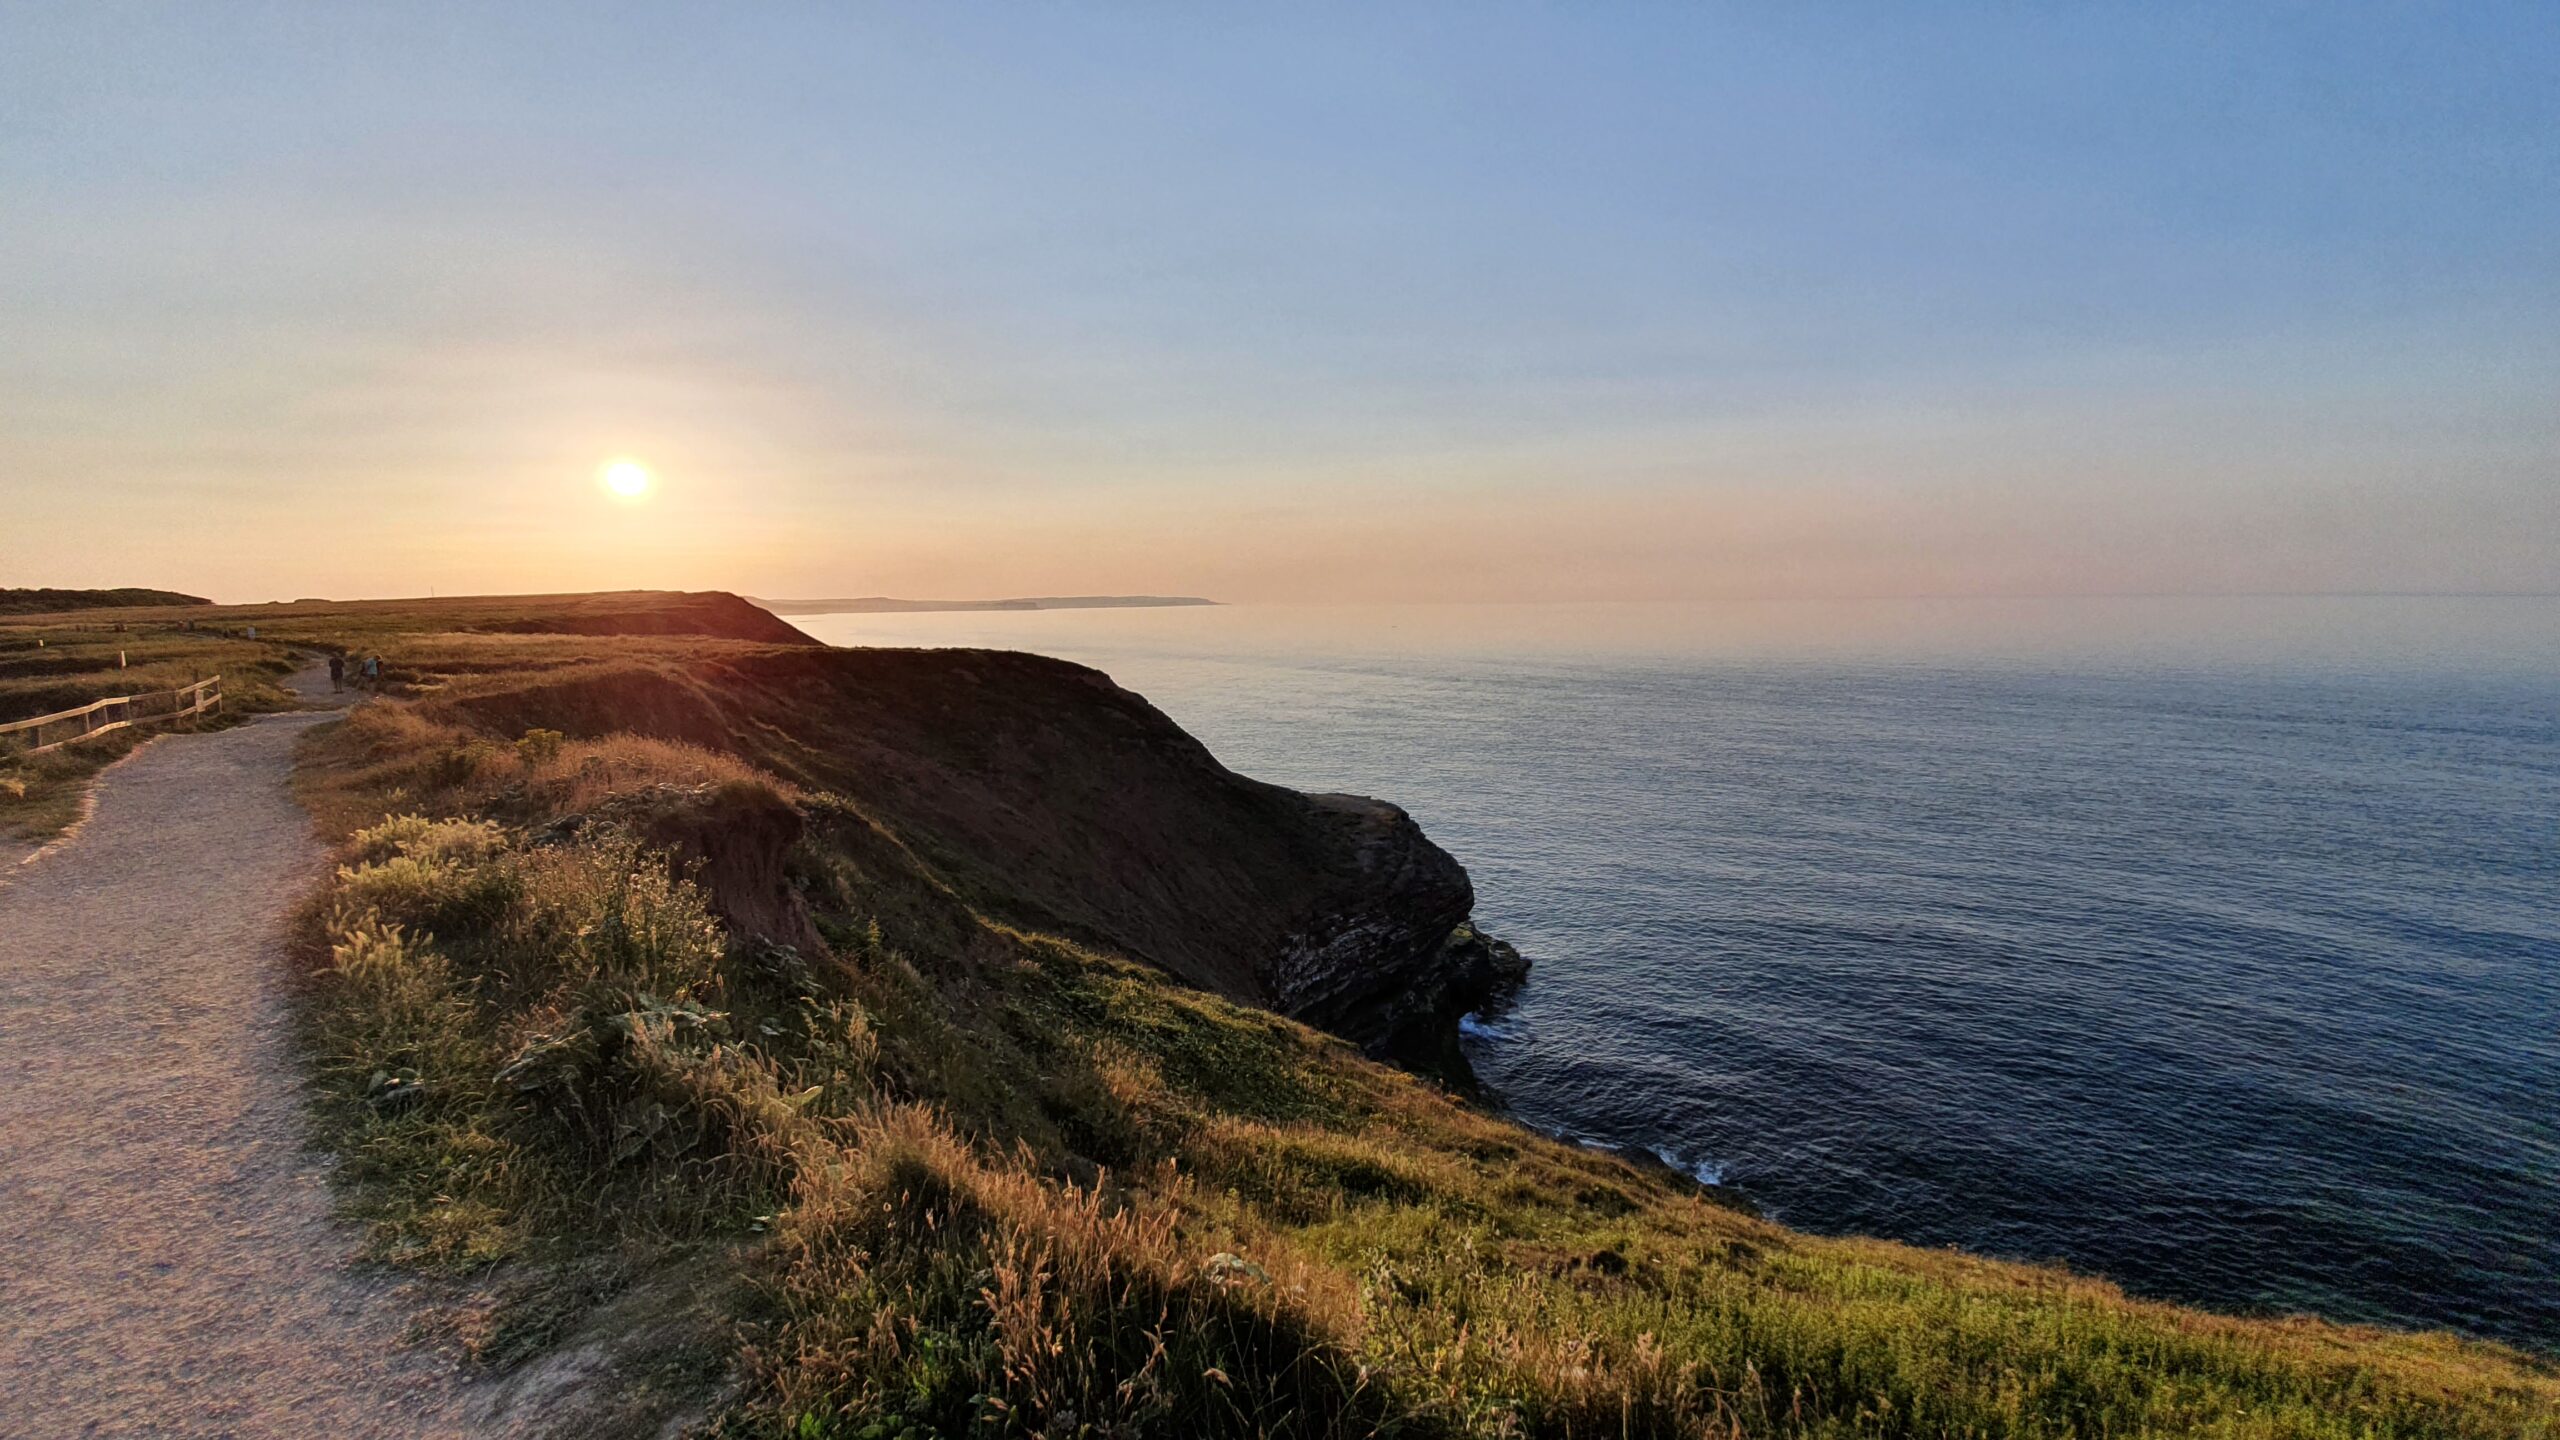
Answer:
(980, 1180)
(1349, 1250)
(84, 661)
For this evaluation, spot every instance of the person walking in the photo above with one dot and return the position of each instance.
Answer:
(373, 673)
(337, 673)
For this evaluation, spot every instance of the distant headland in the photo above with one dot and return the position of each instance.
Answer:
(37, 602)
(872, 604)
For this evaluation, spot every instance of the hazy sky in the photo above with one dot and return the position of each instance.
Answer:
(1281, 302)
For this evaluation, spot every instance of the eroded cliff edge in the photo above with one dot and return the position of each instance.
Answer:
(1046, 796)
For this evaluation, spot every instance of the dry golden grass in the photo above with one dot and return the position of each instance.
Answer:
(1294, 1242)
(386, 759)
(921, 1284)
(989, 1182)
(80, 661)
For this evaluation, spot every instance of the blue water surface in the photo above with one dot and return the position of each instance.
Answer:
(2227, 969)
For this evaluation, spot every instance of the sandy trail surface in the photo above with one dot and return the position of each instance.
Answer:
(168, 1262)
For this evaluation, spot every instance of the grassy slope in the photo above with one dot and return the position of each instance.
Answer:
(66, 657)
(78, 662)
(95, 644)
(971, 1179)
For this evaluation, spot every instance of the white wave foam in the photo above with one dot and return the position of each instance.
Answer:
(1705, 1172)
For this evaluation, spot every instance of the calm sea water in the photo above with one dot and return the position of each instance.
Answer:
(2210, 946)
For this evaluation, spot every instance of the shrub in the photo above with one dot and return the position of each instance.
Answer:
(404, 1065)
(619, 916)
(448, 842)
(438, 897)
(653, 1093)
(565, 1047)
(539, 746)
(462, 765)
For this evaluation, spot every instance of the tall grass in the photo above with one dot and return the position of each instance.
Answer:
(517, 1043)
(977, 1181)
(533, 1052)
(922, 1286)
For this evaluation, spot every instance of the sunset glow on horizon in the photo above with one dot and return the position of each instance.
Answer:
(1503, 303)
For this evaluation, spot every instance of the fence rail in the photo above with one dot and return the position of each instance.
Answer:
(104, 717)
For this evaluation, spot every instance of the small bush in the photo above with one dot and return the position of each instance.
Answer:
(463, 765)
(651, 1093)
(444, 842)
(571, 1031)
(402, 1056)
(836, 1053)
(539, 746)
(437, 897)
(617, 915)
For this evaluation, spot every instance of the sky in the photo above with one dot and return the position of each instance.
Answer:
(1274, 303)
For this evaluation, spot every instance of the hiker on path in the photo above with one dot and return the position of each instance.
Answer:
(337, 673)
(373, 672)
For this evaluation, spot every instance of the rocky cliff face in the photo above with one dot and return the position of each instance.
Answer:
(1412, 902)
(1048, 797)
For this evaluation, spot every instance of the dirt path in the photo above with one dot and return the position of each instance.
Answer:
(168, 1263)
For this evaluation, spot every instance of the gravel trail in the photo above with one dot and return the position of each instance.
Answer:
(168, 1262)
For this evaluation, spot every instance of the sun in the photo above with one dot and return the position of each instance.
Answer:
(627, 478)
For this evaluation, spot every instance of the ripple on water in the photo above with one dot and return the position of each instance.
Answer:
(2240, 987)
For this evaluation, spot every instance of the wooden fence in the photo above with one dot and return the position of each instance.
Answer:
(104, 717)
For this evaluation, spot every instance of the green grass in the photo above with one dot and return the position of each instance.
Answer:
(965, 1178)
(82, 659)
(1393, 1262)
(74, 652)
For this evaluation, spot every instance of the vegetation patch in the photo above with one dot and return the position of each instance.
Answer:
(21, 601)
(50, 664)
(952, 1175)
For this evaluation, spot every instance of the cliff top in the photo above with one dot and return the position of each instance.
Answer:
(712, 614)
(44, 601)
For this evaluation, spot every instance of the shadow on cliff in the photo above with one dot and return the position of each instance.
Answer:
(1042, 795)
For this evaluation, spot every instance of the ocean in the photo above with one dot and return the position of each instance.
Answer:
(2209, 946)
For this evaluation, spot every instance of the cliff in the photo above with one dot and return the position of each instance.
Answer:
(344, 624)
(937, 1090)
(1049, 798)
